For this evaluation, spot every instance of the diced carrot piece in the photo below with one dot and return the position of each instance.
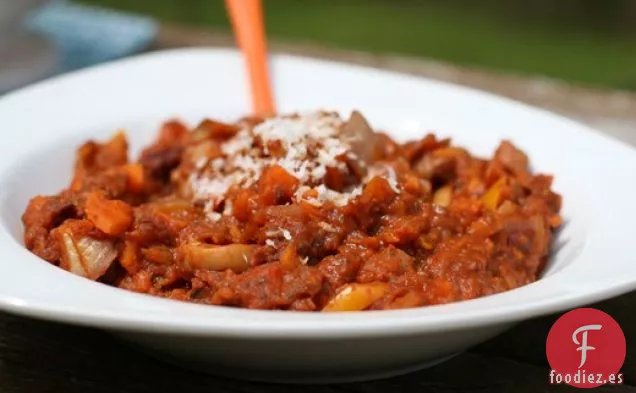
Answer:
(494, 195)
(289, 257)
(276, 183)
(158, 254)
(135, 174)
(112, 217)
(449, 152)
(78, 180)
(118, 143)
(129, 258)
(241, 207)
(555, 221)
(279, 176)
(377, 190)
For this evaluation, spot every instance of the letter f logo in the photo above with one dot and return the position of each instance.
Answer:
(583, 344)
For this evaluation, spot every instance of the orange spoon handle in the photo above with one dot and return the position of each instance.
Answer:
(247, 21)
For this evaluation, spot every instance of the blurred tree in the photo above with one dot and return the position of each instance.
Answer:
(608, 16)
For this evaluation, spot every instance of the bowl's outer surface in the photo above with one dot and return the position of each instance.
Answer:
(45, 122)
(312, 361)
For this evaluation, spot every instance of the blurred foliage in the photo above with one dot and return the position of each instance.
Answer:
(585, 41)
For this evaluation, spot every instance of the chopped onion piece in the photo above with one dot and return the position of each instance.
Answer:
(97, 255)
(356, 297)
(71, 259)
(235, 257)
(87, 257)
(360, 136)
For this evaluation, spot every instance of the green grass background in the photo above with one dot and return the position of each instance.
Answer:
(586, 53)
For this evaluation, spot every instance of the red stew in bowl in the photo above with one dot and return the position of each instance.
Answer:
(304, 212)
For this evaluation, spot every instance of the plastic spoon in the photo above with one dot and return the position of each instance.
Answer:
(247, 22)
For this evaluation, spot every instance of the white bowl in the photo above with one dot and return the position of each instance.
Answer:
(43, 124)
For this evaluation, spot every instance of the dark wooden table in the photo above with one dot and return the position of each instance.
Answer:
(41, 357)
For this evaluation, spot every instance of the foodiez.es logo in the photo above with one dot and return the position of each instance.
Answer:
(585, 349)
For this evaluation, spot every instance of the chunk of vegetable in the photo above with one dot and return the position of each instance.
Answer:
(86, 257)
(357, 131)
(277, 186)
(206, 150)
(112, 217)
(507, 207)
(455, 152)
(160, 158)
(438, 167)
(443, 196)
(289, 257)
(235, 257)
(541, 242)
(129, 258)
(172, 132)
(512, 158)
(135, 174)
(208, 129)
(114, 152)
(408, 300)
(242, 209)
(93, 157)
(555, 221)
(493, 196)
(356, 297)
(71, 259)
(377, 190)
(158, 254)
(172, 206)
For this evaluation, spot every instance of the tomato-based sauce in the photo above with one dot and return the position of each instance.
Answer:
(303, 212)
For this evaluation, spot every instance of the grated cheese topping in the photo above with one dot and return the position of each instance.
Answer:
(304, 145)
(325, 226)
(247, 154)
(340, 199)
